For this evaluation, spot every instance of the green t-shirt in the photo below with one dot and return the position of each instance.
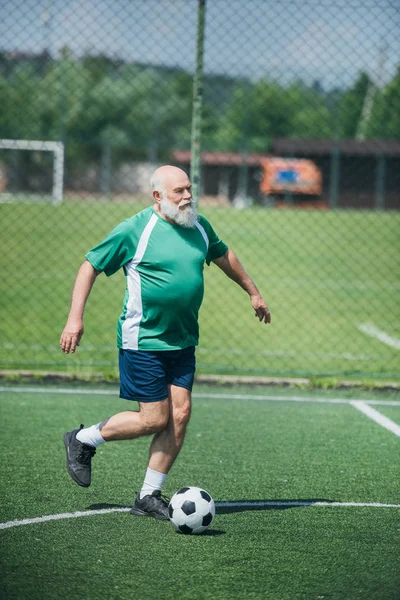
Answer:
(163, 265)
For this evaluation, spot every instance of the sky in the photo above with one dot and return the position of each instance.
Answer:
(284, 40)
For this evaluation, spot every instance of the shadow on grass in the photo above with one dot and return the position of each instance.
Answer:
(233, 506)
(105, 505)
(237, 506)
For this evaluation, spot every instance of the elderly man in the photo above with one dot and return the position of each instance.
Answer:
(162, 251)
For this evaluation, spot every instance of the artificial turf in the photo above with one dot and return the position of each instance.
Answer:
(240, 450)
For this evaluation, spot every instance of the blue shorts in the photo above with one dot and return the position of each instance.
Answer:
(145, 376)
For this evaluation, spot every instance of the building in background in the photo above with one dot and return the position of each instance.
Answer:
(318, 173)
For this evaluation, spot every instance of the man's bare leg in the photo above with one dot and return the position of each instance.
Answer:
(152, 417)
(168, 420)
(164, 449)
(167, 443)
(80, 444)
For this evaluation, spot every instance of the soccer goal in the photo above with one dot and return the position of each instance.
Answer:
(57, 148)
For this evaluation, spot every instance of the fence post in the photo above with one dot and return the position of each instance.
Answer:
(334, 179)
(197, 103)
(105, 174)
(380, 182)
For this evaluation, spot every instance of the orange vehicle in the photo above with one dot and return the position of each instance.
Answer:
(290, 175)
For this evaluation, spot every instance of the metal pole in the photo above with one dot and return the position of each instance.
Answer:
(243, 175)
(288, 192)
(105, 174)
(380, 183)
(244, 149)
(58, 175)
(334, 183)
(197, 103)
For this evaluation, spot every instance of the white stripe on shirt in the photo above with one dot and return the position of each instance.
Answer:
(134, 307)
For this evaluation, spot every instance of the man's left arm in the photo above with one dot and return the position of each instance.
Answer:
(233, 268)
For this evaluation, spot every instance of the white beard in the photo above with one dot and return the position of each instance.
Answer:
(185, 218)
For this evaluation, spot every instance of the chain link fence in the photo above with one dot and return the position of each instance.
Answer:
(300, 172)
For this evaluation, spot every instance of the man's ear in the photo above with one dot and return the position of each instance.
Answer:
(157, 196)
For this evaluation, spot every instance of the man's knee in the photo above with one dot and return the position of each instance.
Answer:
(181, 414)
(155, 417)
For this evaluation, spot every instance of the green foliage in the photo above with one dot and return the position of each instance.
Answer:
(324, 383)
(138, 109)
(312, 117)
(17, 100)
(385, 119)
(351, 107)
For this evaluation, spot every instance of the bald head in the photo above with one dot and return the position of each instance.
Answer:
(172, 195)
(168, 175)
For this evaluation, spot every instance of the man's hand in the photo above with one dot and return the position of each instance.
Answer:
(73, 331)
(71, 336)
(231, 266)
(261, 309)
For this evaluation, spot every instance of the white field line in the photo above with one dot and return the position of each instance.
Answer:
(380, 335)
(292, 399)
(261, 504)
(74, 515)
(376, 416)
(199, 395)
(284, 503)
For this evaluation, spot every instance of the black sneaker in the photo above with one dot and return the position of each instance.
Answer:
(79, 458)
(151, 506)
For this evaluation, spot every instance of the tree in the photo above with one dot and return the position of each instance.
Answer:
(261, 112)
(311, 116)
(351, 105)
(385, 118)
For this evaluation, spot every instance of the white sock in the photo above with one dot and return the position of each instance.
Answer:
(152, 481)
(90, 436)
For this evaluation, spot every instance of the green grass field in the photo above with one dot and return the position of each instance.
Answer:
(273, 449)
(324, 275)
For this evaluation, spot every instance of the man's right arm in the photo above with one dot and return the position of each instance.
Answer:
(73, 330)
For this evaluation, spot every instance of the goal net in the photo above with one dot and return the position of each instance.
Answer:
(57, 172)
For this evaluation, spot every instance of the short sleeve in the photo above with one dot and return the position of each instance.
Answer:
(216, 247)
(115, 250)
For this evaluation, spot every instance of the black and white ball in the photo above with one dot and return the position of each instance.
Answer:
(191, 510)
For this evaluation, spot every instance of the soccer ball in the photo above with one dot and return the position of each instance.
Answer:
(191, 510)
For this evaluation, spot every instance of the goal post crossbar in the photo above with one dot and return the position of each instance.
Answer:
(58, 164)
